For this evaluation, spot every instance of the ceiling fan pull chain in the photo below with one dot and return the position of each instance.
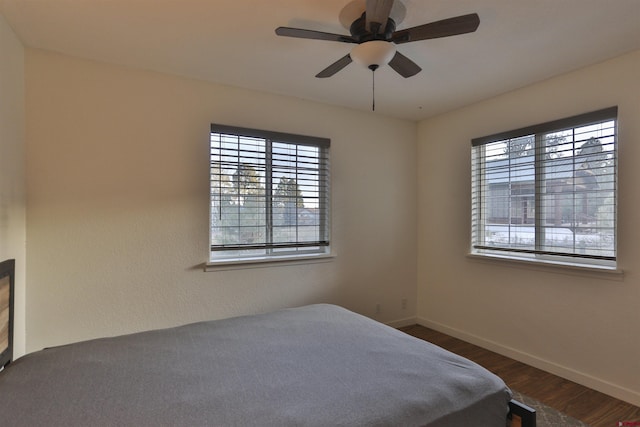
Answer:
(373, 91)
(373, 69)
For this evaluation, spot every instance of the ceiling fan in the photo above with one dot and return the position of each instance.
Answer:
(374, 33)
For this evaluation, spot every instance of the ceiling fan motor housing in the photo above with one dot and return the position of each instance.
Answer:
(359, 30)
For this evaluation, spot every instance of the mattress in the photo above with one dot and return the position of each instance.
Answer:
(318, 365)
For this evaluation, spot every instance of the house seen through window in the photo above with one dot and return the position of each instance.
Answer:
(269, 194)
(548, 192)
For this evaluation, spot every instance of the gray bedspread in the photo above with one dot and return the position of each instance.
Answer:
(319, 365)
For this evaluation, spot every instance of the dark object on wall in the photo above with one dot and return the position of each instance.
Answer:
(7, 271)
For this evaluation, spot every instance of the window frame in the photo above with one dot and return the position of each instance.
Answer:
(293, 251)
(480, 248)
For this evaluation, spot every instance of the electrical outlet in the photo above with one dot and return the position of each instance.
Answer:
(403, 303)
(378, 309)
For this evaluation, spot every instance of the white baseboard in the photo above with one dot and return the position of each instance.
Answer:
(587, 380)
(403, 322)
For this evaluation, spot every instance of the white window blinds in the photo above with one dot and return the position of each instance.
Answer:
(269, 193)
(548, 191)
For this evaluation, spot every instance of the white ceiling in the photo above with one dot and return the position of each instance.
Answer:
(233, 42)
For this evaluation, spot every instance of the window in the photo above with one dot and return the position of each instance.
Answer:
(269, 194)
(548, 192)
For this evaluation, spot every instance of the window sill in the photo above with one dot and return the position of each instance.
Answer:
(552, 266)
(262, 262)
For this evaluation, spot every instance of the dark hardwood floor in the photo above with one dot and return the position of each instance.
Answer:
(592, 407)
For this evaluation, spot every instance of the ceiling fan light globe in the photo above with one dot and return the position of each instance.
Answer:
(375, 52)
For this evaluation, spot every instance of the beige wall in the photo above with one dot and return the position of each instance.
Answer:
(585, 327)
(118, 204)
(12, 170)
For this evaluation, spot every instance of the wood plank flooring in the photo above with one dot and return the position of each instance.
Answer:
(587, 405)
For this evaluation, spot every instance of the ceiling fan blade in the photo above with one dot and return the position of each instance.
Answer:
(404, 66)
(378, 12)
(447, 27)
(335, 67)
(314, 35)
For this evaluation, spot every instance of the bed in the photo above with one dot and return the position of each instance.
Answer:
(317, 365)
